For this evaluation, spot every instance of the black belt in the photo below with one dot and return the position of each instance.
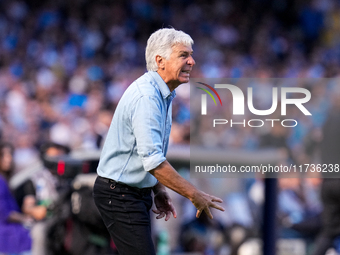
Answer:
(114, 184)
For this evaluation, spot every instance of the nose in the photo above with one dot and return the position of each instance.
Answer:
(191, 61)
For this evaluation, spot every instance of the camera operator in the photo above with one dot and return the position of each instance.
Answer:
(38, 193)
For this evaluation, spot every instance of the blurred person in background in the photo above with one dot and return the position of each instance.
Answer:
(102, 126)
(40, 192)
(204, 235)
(330, 188)
(133, 162)
(299, 207)
(25, 153)
(14, 237)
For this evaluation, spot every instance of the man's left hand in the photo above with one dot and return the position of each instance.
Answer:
(164, 206)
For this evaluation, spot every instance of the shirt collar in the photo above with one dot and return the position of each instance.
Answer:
(164, 89)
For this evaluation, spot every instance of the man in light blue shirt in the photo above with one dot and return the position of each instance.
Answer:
(138, 138)
(133, 163)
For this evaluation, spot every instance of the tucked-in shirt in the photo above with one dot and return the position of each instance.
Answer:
(14, 238)
(138, 137)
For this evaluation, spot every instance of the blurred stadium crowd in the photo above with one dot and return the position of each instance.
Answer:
(65, 64)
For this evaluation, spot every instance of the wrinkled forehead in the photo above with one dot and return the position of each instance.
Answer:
(179, 47)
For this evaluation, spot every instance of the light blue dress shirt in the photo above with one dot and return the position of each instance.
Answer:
(138, 138)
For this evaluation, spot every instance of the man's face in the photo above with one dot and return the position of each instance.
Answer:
(178, 67)
(7, 159)
(54, 152)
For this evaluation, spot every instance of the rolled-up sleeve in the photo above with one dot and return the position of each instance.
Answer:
(148, 127)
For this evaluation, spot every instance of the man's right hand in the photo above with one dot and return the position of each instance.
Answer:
(203, 201)
(168, 176)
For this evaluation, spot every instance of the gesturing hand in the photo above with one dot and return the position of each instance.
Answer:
(164, 206)
(203, 201)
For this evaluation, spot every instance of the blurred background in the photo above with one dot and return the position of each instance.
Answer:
(65, 64)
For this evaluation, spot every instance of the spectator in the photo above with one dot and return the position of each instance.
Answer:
(203, 235)
(330, 189)
(14, 237)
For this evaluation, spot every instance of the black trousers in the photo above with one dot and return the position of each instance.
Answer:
(126, 213)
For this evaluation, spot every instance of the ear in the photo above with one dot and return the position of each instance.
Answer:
(160, 62)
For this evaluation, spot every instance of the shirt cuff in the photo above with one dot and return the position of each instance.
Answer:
(152, 161)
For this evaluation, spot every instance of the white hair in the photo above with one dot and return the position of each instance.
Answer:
(161, 43)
